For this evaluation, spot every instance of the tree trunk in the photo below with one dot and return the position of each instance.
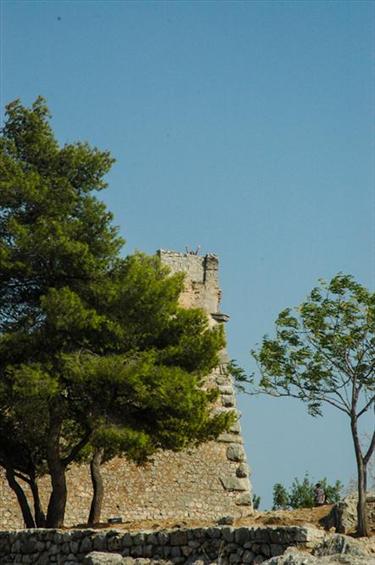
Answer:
(98, 488)
(40, 519)
(21, 497)
(57, 501)
(362, 526)
(362, 529)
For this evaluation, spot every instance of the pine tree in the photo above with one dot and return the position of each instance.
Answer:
(95, 352)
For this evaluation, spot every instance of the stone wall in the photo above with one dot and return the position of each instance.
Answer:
(202, 288)
(205, 482)
(343, 516)
(231, 545)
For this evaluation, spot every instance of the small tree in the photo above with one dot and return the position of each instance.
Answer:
(325, 353)
(280, 497)
(301, 493)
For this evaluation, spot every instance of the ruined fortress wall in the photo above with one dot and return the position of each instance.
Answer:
(206, 482)
(201, 279)
(224, 545)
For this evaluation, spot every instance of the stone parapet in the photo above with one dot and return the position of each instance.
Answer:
(204, 545)
(201, 288)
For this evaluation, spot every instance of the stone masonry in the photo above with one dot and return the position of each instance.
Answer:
(197, 546)
(206, 482)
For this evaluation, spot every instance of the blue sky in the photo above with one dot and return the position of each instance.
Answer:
(243, 127)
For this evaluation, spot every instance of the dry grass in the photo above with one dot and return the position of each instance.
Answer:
(302, 516)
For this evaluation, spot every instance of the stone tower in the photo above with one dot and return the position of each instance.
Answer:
(202, 290)
(205, 482)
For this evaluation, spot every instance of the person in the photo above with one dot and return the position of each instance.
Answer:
(319, 495)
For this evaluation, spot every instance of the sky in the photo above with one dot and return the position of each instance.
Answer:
(247, 128)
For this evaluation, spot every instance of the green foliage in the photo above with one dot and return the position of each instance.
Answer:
(280, 497)
(324, 348)
(256, 501)
(333, 492)
(94, 348)
(301, 493)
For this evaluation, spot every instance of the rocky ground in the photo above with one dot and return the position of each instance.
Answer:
(311, 516)
(302, 516)
(336, 549)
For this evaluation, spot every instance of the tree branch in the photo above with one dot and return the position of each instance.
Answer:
(366, 407)
(303, 398)
(77, 448)
(370, 450)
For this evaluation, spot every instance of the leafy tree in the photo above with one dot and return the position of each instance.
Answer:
(333, 492)
(280, 497)
(95, 353)
(325, 353)
(301, 493)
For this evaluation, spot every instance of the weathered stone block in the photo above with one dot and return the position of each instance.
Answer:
(114, 543)
(262, 534)
(74, 545)
(163, 538)
(147, 550)
(276, 549)
(138, 539)
(235, 558)
(213, 532)
(16, 547)
(178, 537)
(99, 558)
(231, 548)
(229, 438)
(194, 543)
(40, 546)
(227, 534)
(43, 559)
(54, 549)
(151, 539)
(127, 540)
(226, 389)
(233, 483)
(266, 550)
(186, 550)
(248, 556)
(86, 545)
(241, 535)
(221, 380)
(242, 470)
(277, 536)
(228, 400)
(99, 542)
(235, 452)
(166, 551)
(175, 552)
(244, 499)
